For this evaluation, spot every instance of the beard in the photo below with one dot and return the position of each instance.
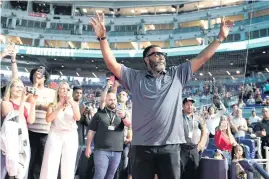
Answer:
(112, 106)
(157, 66)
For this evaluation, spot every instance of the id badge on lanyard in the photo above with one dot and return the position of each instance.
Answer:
(190, 134)
(111, 127)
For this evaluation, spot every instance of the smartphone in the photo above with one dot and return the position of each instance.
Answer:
(120, 106)
(31, 90)
(42, 70)
(112, 78)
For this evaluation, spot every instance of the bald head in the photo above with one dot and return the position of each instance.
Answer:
(111, 100)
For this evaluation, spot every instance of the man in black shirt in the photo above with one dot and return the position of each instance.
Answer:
(262, 130)
(107, 130)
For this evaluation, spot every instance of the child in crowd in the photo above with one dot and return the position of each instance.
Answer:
(238, 153)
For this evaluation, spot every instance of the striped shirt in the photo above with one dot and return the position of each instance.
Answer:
(45, 97)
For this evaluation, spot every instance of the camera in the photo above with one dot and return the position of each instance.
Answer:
(31, 90)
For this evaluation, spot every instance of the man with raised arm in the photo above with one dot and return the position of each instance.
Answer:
(157, 103)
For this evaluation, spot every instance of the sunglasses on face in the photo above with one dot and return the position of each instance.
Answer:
(158, 54)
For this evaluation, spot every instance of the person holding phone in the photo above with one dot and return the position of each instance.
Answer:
(224, 138)
(38, 131)
(62, 143)
(9, 50)
(15, 146)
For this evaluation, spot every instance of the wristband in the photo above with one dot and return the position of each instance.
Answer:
(101, 38)
(218, 40)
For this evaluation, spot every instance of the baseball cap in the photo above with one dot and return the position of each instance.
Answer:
(188, 99)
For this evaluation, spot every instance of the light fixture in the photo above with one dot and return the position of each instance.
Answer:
(94, 75)
(237, 72)
(84, 10)
(187, 59)
(263, 51)
(92, 60)
(22, 56)
(209, 73)
(77, 73)
(132, 11)
(55, 59)
(201, 6)
(96, 67)
(62, 66)
(267, 70)
(143, 11)
(98, 11)
(231, 63)
(61, 73)
(162, 10)
(228, 72)
(195, 79)
(232, 77)
(201, 74)
(26, 70)
(8, 68)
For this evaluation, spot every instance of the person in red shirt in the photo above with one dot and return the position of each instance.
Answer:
(224, 139)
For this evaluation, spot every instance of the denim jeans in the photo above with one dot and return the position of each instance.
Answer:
(106, 163)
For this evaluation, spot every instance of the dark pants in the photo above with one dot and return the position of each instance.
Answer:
(37, 143)
(190, 159)
(161, 160)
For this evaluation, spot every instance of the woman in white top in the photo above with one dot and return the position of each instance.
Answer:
(62, 142)
(15, 147)
(213, 118)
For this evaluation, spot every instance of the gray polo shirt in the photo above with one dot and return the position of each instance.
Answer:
(157, 104)
(193, 124)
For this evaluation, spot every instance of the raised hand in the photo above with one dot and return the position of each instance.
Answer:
(109, 84)
(13, 54)
(98, 25)
(225, 28)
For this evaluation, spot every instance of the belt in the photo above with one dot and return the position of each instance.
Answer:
(188, 146)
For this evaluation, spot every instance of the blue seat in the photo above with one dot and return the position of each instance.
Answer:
(208, 153)
(250, 143)
(211, 144)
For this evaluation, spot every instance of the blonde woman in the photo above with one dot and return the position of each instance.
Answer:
(16, 114)
(62, 142)
(224, 139)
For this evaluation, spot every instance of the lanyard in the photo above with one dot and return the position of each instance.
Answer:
(111, 118)
(187, 119)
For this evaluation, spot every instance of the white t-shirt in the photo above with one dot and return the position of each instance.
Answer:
(255, 119)
(240, 122)
(212, 122)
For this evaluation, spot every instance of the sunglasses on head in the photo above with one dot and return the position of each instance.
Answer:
(158, 54)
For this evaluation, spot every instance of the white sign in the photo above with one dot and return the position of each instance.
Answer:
(49, 51)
